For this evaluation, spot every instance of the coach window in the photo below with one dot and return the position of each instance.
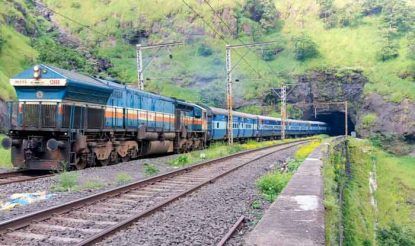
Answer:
(217, 125)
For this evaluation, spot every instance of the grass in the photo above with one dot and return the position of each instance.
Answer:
(391, 221)
(67, 181)
(150, 170)
(271, 184)
(123, 178)
(218, 150)
(93, 185)
(5, 156)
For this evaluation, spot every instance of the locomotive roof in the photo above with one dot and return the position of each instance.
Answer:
(236, 113)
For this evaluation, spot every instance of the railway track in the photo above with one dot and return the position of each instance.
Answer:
(89, 220)
(20, 176)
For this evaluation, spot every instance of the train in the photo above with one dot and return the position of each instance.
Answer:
(68, 120)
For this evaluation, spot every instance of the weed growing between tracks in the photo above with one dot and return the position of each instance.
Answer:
(123, 178)
(67, 181)
(150, 169)
(361, 214)
(271, 184)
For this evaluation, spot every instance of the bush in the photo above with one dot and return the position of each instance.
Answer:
(272, 184)
(123, 178)
(388, 51)
(304, 47)
(67, 181)
(150, 169)
(93, 185)
(181, 161)
(268, 55)
(399, 15)
(369, 119)
(396, 235)
(204, 50)
(262, 12)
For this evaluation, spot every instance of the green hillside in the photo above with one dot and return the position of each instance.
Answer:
(375, 36)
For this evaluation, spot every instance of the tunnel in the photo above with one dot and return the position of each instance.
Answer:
(336, 122)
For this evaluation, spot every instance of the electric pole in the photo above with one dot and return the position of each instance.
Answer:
(283, 110)
(229, 92)
(229, 95)
(139, 53)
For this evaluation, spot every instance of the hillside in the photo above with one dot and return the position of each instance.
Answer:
(371, 41)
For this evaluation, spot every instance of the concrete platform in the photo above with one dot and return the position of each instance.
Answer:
(297, 216)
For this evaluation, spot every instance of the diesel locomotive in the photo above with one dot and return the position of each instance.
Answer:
(63, 119)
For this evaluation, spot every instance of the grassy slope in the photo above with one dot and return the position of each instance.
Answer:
(16, 54)
(339, 47)
(394, 195)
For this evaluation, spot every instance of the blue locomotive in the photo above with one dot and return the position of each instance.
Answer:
(64, 119)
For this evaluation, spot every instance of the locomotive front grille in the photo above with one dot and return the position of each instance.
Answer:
(31, 115)
(48, 116)
(38, 115)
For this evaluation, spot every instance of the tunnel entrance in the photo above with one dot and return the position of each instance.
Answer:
(336, 122)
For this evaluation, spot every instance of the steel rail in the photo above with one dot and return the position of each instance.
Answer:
(231, 231)
(22, 221)
(19, 176)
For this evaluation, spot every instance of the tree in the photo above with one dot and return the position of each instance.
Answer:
(390, 47)
(263, 12)
(304, 47)
(399, 15)
(204, 50)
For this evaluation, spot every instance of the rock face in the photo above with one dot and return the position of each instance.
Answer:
(329, 86)
(393, 124)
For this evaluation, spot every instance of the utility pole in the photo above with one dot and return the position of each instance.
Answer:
(139, 53)
(229, 96)
(140, 67)
(229, 68)
(346, 130)
(283, 110)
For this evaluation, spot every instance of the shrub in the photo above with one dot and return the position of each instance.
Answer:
(269, 55)
(123, 178)
(304, 47)
(67, 181)
(204, 50)
(369, 119)
(272, 184)
(150, 169)
(182, 160)
(262, 12)
(388, 51)
(396, 235)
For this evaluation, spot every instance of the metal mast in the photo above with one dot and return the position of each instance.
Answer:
(140, 67)
(283, 110)
(229, 96)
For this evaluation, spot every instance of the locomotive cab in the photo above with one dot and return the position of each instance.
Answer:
(52, 104)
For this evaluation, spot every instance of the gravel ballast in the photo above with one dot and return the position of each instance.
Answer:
(106, 176)
(205, 216)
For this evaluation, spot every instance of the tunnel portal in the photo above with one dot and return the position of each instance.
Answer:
(335, 120)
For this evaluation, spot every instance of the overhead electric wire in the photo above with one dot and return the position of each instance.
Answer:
(70, 19)
(239, 39)
(222, 37)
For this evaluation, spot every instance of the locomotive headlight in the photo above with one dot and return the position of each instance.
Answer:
(36, 72)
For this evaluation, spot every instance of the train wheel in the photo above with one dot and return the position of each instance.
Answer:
(105, 162)
(126, 158)
(80, 164)
(114, 157)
